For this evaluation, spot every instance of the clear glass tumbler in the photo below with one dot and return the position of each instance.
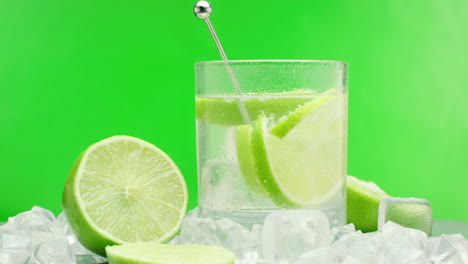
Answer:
(271, 135)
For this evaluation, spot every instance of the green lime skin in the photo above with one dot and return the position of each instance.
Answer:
(88, 236)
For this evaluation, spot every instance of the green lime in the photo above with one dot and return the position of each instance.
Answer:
(245, 158)
(362, 203)
(409, 212)
(289, 122)
(123, 189)
(303, 168)
(224, 110)
(152, 253)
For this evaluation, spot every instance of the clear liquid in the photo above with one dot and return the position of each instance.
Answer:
(223, 188)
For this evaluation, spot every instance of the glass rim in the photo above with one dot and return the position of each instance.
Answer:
(275, 61)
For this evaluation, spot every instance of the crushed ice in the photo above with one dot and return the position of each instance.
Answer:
(305, 237)
(286, 237)
(37, 237)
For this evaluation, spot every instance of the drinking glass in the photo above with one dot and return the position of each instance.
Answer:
(271, 135)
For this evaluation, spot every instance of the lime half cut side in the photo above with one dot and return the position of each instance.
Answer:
(151, 253)
(305, 167)
(123, 189)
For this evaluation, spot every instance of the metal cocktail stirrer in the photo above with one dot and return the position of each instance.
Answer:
(202, 10)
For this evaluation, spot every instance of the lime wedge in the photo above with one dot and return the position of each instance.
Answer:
(225, 111)
(304, 167)
(123, 189)
(151, 253)
(362, 203)
(289, 122)
(245, 159)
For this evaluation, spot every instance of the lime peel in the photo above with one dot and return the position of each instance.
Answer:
(245, 159)
(362, 203)
(263, 169)
(289, 122)
(222, 111)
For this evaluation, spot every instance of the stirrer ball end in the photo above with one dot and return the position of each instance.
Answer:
(202, 9)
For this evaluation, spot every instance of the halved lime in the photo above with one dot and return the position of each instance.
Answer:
(225, 110)
(151, 253)
(304, 167)
(362, 203)
(123, 189)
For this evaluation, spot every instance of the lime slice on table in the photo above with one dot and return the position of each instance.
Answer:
(151, 253)
(123, 189)
(300, 169)
(224, 110)
(362, 203)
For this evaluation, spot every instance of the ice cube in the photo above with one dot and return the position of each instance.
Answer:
(8, 225)
(345, 242)
(257, 230)
(253, 253)
(240, 240)
(203, 231)
(61, 220)
(14, 257)
(395, 253)
(338, 232)
(60, 227)
(395, 234)
(89, 259)
(248, 257)
(54, 252)
(319, 256)
(39, 237)
(16, 242)
(77, 249)
(289, 233)
(409, 212)
(82, 254)
(229, 228)
(369, 249)
(352, 260)
(448, 249)
(38, 219)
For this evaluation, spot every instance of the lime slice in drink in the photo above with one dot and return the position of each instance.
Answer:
(362, 203)
(123, 189)
(225, 111)
(289, 122)
(151, 253)
(301, 169)
(245, 158)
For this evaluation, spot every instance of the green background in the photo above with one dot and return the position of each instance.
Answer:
(75, 72)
